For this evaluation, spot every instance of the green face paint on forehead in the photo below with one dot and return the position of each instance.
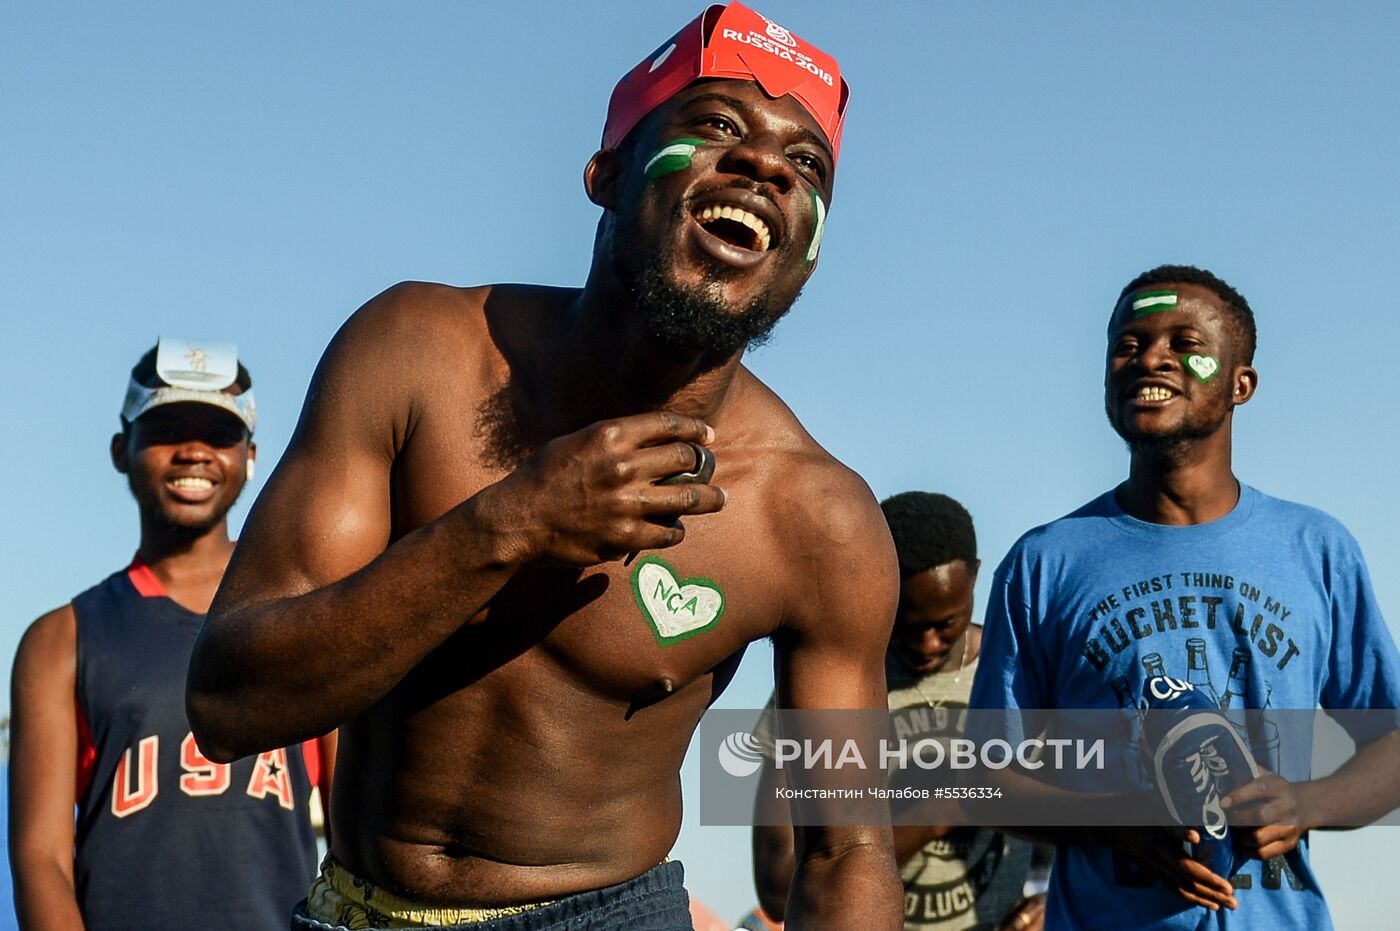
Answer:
(675, 609)
(1203, 367)
(818, 227)
(671, 157)
(1142, 303)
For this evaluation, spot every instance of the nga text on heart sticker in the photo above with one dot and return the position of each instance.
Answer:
(676, 609)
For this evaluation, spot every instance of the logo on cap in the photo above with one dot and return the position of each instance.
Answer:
(778, 33)
(732, 42)
(194, 371)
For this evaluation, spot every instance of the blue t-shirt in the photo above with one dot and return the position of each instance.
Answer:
(1270, 606)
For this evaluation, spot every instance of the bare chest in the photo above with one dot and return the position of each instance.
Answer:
(632, 633)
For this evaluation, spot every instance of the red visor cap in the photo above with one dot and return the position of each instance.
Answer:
(732, 42)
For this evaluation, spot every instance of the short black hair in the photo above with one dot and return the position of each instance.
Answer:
(144, 371)
(1240, 314)
(929, 530)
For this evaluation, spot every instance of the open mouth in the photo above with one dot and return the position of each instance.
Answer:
(191, 489)
(1154, 393)
(736, 226)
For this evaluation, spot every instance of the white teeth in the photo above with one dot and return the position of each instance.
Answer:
(1153, 393)
(739, 215)
(192, 482)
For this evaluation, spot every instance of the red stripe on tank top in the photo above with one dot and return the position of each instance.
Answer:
(311, 756)
(144, 578)
(87, 754)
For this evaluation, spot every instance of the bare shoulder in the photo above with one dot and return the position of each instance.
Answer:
(823, 514)
(413, 343)
(834, 571)
(834, 510)
(415, 331)
(49, 646)
(421, 314)
(412, 318)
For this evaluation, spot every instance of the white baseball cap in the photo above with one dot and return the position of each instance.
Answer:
(191, 370)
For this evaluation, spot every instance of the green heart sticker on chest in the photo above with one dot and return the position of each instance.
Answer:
(676, 609)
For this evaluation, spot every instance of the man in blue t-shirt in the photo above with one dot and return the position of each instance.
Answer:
(1182, 571)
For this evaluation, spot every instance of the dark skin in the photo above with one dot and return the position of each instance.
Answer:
(513, 731)
(1028, 914)
(1180, 474)
(1179, 430)
(934, 615)
(184, 530)
(185, 465)
(933, 632)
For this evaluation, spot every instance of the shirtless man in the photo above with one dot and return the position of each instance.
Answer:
(443, 563)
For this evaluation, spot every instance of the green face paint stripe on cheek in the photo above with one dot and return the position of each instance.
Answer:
(1151, 302)
(818, 227)
(675, 609)
(671, 157)
(1203, 367)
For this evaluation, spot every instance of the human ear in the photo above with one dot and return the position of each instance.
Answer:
(1246, 381)
(601, 176)
(117, 448)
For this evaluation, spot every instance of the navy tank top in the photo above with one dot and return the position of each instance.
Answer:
(165, 838)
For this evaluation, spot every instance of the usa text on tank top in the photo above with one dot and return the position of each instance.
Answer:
(165, 836)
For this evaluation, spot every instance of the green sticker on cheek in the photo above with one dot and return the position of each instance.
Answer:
(676, 609)
(671, 157)
(818, 226)
(1203, 367)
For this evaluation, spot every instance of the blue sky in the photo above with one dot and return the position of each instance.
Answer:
(256, 171)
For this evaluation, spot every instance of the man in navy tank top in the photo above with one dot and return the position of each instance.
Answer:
(164, 838)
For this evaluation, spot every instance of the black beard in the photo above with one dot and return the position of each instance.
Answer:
(1168, 450)
(695, 318)
(1171, 448)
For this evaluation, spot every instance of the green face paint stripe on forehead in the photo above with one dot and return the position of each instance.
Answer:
(1203, 367)
(1151, 302)
(818, 227)
(675, 609)
(673, 156)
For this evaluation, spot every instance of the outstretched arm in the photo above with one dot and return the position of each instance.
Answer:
(319, 616)
(43, 764)
(830, 655)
